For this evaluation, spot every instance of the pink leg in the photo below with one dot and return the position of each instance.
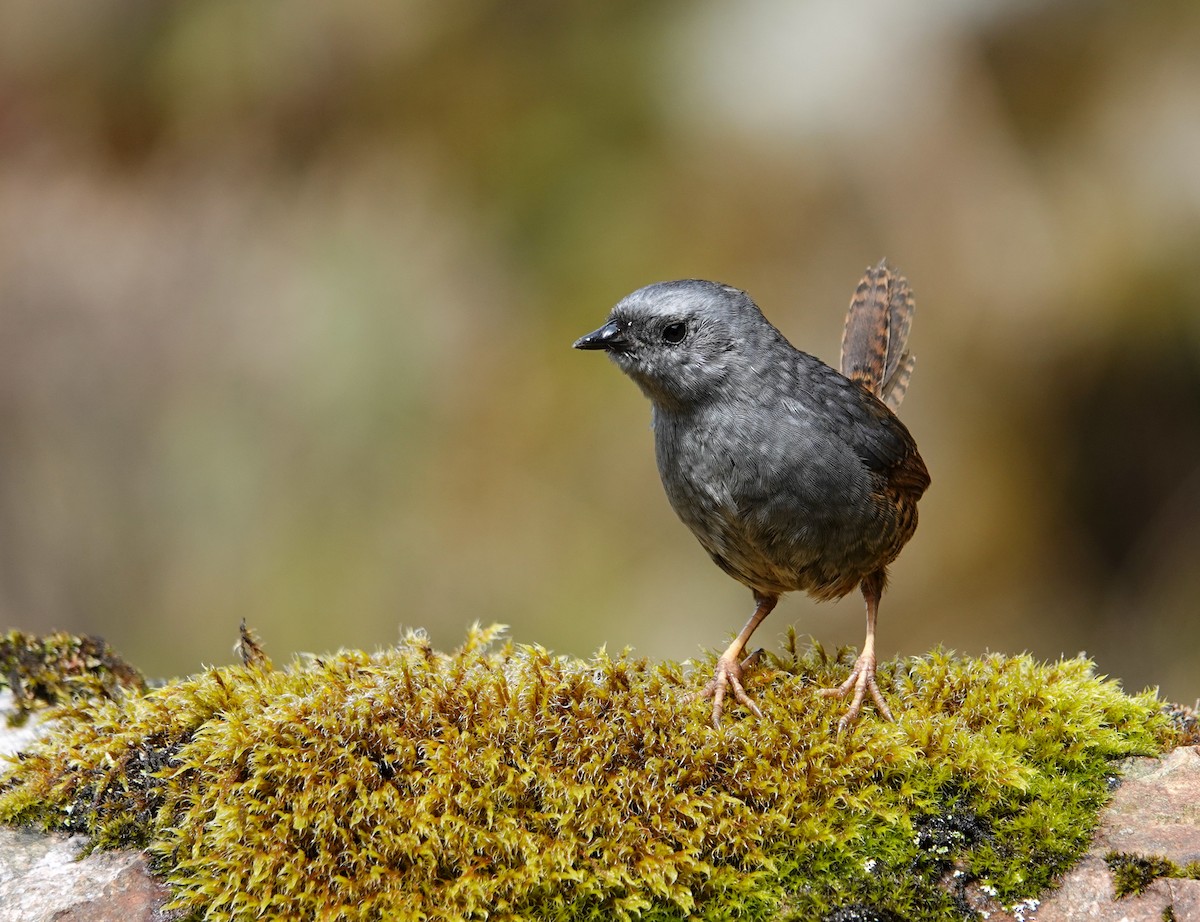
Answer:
(728, 674)
(862, 677)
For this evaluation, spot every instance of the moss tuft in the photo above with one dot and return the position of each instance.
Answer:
(59, 667)
(1133, 874)
(509, 783)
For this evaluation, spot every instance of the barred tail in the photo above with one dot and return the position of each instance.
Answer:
(874, 343)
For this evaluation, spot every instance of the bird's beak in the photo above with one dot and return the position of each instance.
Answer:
(609, 337)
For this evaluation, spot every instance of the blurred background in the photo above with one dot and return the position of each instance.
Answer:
(287, 294)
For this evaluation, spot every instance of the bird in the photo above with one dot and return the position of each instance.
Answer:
(792, 475)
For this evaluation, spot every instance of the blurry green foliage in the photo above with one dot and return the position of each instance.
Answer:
(287, 292)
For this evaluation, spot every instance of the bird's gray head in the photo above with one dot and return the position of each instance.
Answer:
(685, 342)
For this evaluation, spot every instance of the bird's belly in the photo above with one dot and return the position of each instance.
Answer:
(769, 554)
(820, 530)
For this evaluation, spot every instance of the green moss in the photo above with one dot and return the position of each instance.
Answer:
(59, 667)
(512, 784)
(1132, 874)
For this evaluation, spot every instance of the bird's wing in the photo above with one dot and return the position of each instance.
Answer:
(885, 445)
(862, 422)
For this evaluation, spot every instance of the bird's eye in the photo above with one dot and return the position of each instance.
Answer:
(674, 333)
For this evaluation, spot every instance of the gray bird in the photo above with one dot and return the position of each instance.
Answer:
(791, 475)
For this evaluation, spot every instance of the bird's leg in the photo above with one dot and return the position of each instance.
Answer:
(728, 674)
(862, 676)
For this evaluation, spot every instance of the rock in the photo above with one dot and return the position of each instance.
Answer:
(1154, 812)
(14, 739)
(1156, 809)
(42, 878)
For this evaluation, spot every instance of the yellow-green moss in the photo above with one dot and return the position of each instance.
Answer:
(1132, 874)
(60, 667)
(513, 784)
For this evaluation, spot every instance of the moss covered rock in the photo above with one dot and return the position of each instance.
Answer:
(509, 783)
(45, 670)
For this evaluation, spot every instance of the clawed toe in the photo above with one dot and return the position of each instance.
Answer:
(728, 674)
(727, 678)
(860, 681)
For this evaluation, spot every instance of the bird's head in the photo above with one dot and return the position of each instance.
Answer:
(684, 342)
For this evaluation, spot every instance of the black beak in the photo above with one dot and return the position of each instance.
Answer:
(609, 337)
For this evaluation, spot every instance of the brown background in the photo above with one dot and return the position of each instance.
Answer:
(287, 295)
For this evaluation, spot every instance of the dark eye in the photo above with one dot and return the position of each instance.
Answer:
(674, 333)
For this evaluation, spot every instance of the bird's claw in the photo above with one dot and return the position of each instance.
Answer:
(860, 681)
(727, 677)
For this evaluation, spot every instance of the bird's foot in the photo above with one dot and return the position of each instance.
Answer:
(727, 679)
(860, 681)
